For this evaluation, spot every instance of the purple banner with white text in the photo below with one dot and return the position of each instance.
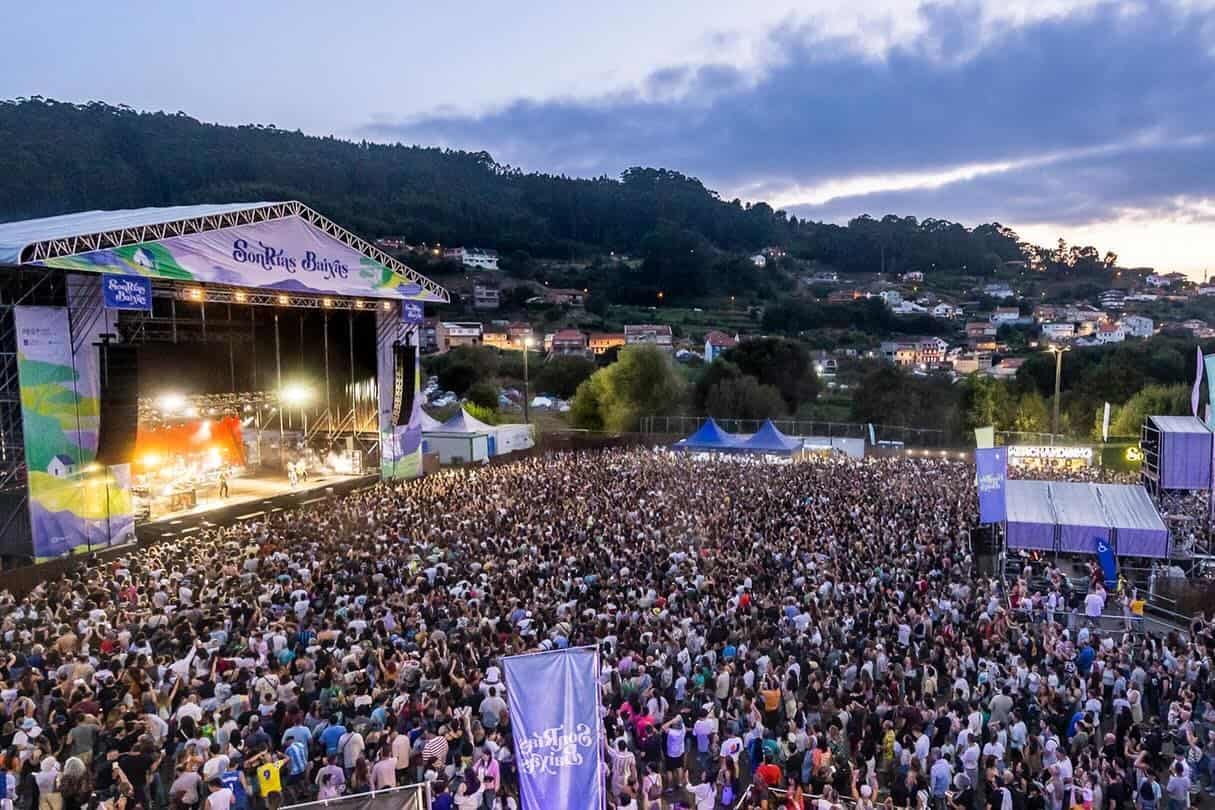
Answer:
(991, 468)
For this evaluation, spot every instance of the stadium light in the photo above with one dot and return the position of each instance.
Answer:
(171, 403)
(294, 395)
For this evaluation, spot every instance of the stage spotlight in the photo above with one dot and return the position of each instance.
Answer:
(283, 300)
(171, 403)
(295, 394)
(196, 294)
(387, 305)
(151, 460)
(327, 302)
(240, 296)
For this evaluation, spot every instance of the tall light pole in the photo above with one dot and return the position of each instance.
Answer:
(1057, 351)
(527, 396)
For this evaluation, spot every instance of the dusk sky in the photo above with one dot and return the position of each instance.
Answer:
(1092, 121)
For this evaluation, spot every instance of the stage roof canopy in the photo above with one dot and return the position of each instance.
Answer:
(1070, 517)
(276, 246)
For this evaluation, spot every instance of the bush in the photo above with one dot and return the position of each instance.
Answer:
(486, 415)
(744, 398)
(484, 394)
(644, 381)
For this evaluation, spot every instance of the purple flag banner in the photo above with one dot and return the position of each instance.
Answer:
(1197, 391)
(554, 710)
(991, 468)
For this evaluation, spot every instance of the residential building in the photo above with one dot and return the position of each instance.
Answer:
(1003, 315)
(432, 338)
(717, 342)
(946, 311)
(844, 296)
(999, 290)
(774, 252)
(565, 298)
(473, 258)
(825, 277)
(915, 276)
(654, 334)
(1110, 333)
(1158, 281)
(463, 333)
(1206, 290)
(891, 298)
(924, 351)
(1139, 326)
(1112, 299)
(568, 341)
(601, 342)
(1052, 312)
(496, 337)
(759, 260)
(980, 329)
(485, 297)
(519, 333)
(1058, 330)
(1195, 325)
(1007, 368)
(971, 362)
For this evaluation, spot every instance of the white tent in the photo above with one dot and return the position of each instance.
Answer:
(498, 439)
(430, 423)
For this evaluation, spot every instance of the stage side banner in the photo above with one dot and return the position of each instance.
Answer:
(127, 292)
(400, 445)
(991, 467)
(287, 255)
(554, 709)
(74, 505)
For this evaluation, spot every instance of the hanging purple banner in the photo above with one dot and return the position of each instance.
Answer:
(411, 312)
(991, 467)
(554, 710)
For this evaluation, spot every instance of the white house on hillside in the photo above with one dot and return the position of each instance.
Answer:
(1139, 326)
(759, 260)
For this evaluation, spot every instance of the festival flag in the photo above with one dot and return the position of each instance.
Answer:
(985, 437)
(991, 469)
(554, 710)
(1197, 391)
(1108, 562)
(1105, 424)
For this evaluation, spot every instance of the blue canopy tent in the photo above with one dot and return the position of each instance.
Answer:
(771, 441)
(708, 437)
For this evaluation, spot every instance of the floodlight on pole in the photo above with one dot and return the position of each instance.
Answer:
(1057, 351)
(528, 342)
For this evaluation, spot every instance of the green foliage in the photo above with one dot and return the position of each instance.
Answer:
(783, 364)
(987, 401)
(487, 415)
(463, 366)
(1031, 415)
(458, 377)
(793, 316)
(644, 381)
(887, 395)
(483, 394)
(1154, 400)
(743, 397)
(561, 375)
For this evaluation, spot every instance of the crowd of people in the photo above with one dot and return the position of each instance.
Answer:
(778, 636)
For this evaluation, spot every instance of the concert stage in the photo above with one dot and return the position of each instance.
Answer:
(251, 498)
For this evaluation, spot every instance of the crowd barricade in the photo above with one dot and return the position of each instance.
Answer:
(407, 797)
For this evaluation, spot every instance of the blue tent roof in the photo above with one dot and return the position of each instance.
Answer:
(770, 440)
(708, 437)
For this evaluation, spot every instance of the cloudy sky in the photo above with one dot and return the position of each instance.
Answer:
(1094, 121)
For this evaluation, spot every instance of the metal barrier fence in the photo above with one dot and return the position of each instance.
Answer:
(407, 797)
(896, 434)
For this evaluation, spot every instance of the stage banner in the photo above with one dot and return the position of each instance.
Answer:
(985, 437)
(991, 467)
(1105, 423)
(1108, 562)
(126, 292)
(554, 709)
(1209, 363)
(412, 313)
(1196, 392)
(74, 504)
(288, 255)
(400, 445)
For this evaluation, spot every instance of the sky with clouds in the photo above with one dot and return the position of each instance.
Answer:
(1094, 121)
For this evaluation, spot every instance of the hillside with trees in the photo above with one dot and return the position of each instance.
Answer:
(62, 157)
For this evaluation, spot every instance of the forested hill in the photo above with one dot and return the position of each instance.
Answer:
(60, 157)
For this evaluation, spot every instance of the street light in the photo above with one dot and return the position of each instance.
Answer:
(1057, 351)
(528, 342)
